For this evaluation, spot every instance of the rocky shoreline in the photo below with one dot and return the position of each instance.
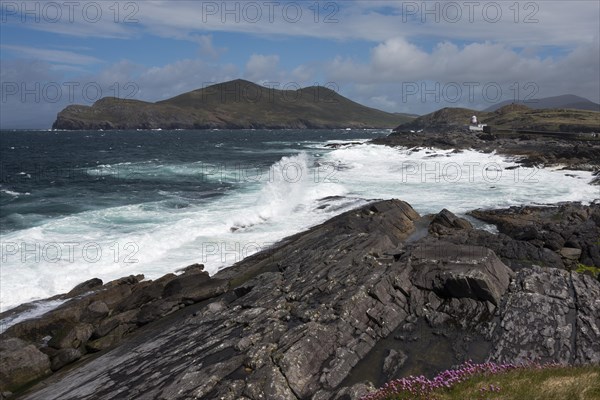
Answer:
(570, 151)
(373, 294)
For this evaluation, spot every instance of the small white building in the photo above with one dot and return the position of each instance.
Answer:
(475, 126)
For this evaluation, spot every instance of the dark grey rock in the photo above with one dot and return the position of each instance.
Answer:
(95, 311)
(108, 324)
(155, 310)
(110, 339)
(570, 253)
(393, 363)
(533, 150)
(72, 336)
(85, 287)
(194, 287)
(549, 315)
(318, 314)
(355, 392)
(20, 363)
(460, 271)
(64, 357)
(445, 221)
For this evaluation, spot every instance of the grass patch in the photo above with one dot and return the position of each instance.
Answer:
(552, 383)
(492, 381)
(582, 269)
(508, 119)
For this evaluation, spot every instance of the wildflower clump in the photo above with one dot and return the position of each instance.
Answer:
(422, 388)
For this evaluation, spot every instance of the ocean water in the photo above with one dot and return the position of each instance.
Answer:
(78, 205)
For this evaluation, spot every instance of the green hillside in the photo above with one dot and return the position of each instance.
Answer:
(511, 117)
(236, 104)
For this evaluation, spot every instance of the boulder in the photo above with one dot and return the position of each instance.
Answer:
(445, 221)
(144, 293)
(64, 357)
(95, 311)
(460, 271)
(109, 340)
(85, 287)
(570, 253)
(155, 310)
(108, 324)
(393, 363)
(20, 363)
(71, 336)
(355, 392)
(194, 287)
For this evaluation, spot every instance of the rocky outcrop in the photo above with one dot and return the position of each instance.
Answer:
(580, 152)
(562, 315)
(96, 317)
(327, 314)
(20, 364)
(453, 271)
(445, 223)
(571, 231)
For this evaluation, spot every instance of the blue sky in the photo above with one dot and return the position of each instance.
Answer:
(377, 53)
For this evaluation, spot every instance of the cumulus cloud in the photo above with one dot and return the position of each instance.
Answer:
(158, 83)
(261, 68)
(303, 73)
(207, 48)
(398, 67)
(554, 45)
(28, 86)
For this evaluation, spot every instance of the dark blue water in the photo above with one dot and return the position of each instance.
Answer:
(54, 174)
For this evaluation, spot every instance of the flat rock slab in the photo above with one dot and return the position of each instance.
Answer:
(303, 317)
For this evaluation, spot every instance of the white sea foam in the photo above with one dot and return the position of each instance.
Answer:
(434, 179)
(152, 239)
(10, 192)
(39, 308)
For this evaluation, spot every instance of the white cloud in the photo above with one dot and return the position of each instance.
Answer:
(559, 53)
(397, 60)
(262, 68)
(125, 79)
(303, 73)
(53, 56)
(207, 48)
(542, 23)
(400, 76)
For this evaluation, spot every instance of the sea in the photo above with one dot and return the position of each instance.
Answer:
(108, 204)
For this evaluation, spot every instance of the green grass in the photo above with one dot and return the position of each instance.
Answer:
(234, 104)
(509, 119)
(582, 268)
(490, 381)
(554, 383)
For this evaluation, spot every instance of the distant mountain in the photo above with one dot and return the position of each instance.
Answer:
(237, 104)
(509, 117)
(569, 101)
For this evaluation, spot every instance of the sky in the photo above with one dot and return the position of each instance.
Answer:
(398, 56)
